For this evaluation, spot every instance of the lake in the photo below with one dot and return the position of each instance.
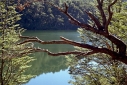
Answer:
(51, 70)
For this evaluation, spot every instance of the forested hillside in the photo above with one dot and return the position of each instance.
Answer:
(40, 16)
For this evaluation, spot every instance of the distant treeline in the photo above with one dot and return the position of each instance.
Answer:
(39, 16)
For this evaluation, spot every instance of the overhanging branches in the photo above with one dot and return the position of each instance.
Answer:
(100, 28)
(63, 40)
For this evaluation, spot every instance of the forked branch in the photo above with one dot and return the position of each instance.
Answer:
(100, 8)
(106, 20)
(63, 40)
(110, 13)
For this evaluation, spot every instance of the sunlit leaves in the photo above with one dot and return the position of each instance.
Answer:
(100, 69)
(118, 26)
(14, 58)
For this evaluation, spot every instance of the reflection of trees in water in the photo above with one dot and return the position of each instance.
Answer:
(46, 64)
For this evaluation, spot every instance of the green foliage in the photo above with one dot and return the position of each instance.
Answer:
(118, 24)
(100, 69)
(41, 16)
(14, 58)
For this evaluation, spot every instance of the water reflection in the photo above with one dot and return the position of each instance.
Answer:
(50, 70)
(46, 64)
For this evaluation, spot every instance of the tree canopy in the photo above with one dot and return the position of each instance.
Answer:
(43, 16)
(14, 58)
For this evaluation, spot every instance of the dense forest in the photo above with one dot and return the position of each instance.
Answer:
(100, 58)
(40, 16)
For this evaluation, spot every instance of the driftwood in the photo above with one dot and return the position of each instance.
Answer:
(101, 29)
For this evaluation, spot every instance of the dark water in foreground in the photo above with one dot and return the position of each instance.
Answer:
(51, 70)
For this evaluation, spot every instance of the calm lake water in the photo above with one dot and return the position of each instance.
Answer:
(50, 70)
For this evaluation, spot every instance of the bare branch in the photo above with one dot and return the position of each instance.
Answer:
(99, 6)
(72, 19)
(103, 50)
(101, 1)
(96, 21)
(71, 42)
(78, 44)
(50, 53)
(110, 14)
(42, 42)
(82, 55)
(27, 37)
(63, 40)
(66, 8)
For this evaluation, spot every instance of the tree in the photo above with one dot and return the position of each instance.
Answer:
(14, 58)
(107, 44)
(101, 27)
(100, 69)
